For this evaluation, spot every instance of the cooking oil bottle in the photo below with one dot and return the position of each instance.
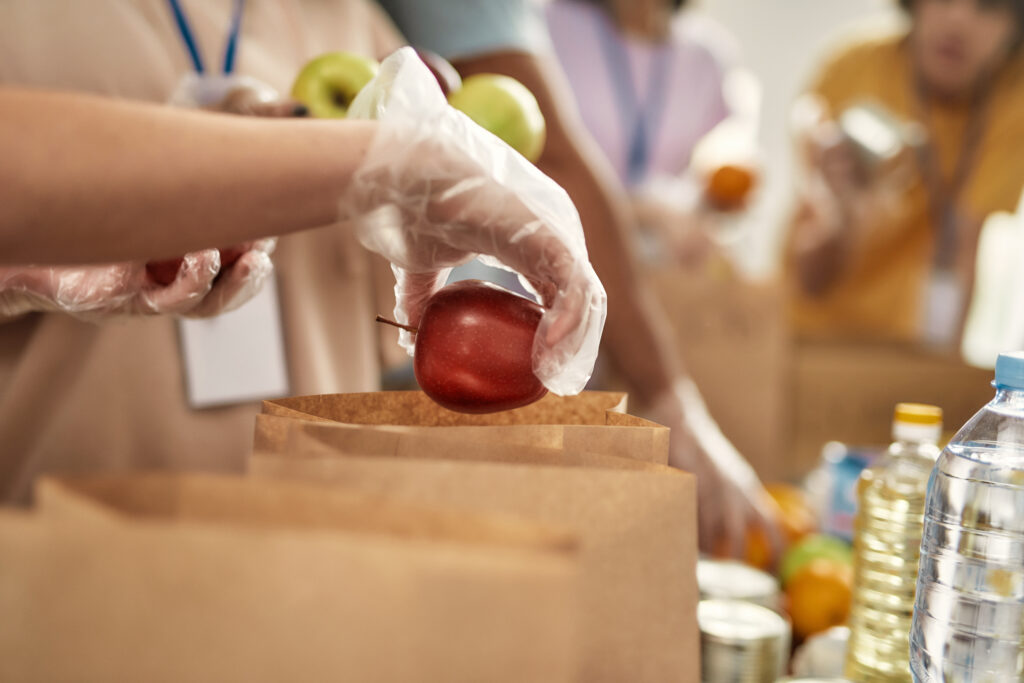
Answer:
(887, 543)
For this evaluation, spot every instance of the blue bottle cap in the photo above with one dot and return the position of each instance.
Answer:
(1010, 370)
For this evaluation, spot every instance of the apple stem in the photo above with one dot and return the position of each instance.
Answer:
(407, 328)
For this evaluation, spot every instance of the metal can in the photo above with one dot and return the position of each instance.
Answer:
(741, 642)
(731, 580)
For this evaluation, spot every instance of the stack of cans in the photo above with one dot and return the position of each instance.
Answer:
(731, 580)
(741, 642)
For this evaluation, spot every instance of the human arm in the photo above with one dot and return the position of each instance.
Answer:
(108, 180)
(636, 334)
(89, 179)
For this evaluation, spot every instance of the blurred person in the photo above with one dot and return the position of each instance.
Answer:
(498, 36)
(91, 375)
(887, 251)
(649, 80)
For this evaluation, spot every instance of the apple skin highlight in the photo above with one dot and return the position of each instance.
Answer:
(474, 348)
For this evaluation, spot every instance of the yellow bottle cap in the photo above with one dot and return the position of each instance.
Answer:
(918, 413)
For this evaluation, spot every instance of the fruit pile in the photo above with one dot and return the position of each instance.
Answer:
(815, 570)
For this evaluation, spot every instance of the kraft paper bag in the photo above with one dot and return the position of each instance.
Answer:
(593, 422)
(199, 578)
(635, 522)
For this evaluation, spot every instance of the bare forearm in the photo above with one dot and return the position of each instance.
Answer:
(88, 179)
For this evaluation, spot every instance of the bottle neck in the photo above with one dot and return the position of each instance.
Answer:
(1006, 396)
(913, 433)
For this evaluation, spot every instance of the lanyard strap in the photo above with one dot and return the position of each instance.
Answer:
(640, 119)
(942, 195)
(192, 47)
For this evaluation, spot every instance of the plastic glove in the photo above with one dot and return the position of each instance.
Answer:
(436, 190)
(91, 292)
(730, 497)
(94, 291)
(238, 282)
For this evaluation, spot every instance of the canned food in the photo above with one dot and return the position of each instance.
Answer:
(741, 642)
(731, 580)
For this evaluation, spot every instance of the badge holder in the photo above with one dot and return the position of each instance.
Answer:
(236, 357)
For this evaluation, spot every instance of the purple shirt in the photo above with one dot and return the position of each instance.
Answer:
(698, 56)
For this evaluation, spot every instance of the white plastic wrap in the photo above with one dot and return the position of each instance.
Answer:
(437, 189)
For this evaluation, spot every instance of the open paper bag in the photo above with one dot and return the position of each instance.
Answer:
(635, 522)
(198, 578)
(592, 422)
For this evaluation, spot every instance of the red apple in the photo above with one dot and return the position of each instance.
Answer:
(446, 75)
(474, 348)
(164, 272)
(228, 256)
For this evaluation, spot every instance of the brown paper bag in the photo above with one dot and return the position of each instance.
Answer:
(635, 522)
(593, 422)
(163, 578)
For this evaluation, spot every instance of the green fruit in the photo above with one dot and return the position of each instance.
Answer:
(811, 548)
(328, 84)
(505, 107)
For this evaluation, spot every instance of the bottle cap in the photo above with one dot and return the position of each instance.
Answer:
(917, 422)
(1010, 370)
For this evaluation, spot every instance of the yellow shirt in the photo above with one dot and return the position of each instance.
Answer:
(880, 291)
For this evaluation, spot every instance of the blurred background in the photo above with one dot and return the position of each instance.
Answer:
(782, 44)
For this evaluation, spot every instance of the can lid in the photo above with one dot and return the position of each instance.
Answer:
(1010, 370)
(731, 580)
(738, 621)
(918, 413)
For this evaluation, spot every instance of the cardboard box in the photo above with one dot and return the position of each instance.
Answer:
(847, 392)
(733, 340)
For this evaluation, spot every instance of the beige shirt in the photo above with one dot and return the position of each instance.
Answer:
(82, 396)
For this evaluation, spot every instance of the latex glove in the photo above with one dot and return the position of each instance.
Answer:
(91, 292)
(436, 190)
(730, 497)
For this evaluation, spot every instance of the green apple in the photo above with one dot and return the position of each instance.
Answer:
(811, 548)
(328, 84)
(505, 107)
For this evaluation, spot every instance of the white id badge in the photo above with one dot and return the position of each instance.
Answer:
(942, 307)
(236, 357)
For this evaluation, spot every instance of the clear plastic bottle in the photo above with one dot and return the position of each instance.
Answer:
(887, 544)
(968, 620)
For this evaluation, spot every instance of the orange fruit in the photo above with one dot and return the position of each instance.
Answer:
(819, 595)
(729, 185)
(798, 518)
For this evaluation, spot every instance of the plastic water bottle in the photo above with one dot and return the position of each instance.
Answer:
(968, 620)
(886, 545)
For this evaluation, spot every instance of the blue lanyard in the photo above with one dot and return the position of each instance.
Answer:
(190, 40)
(640, 121)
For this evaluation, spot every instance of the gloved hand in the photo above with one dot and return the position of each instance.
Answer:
(436, 190)
(91, 292)
(730, 497)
